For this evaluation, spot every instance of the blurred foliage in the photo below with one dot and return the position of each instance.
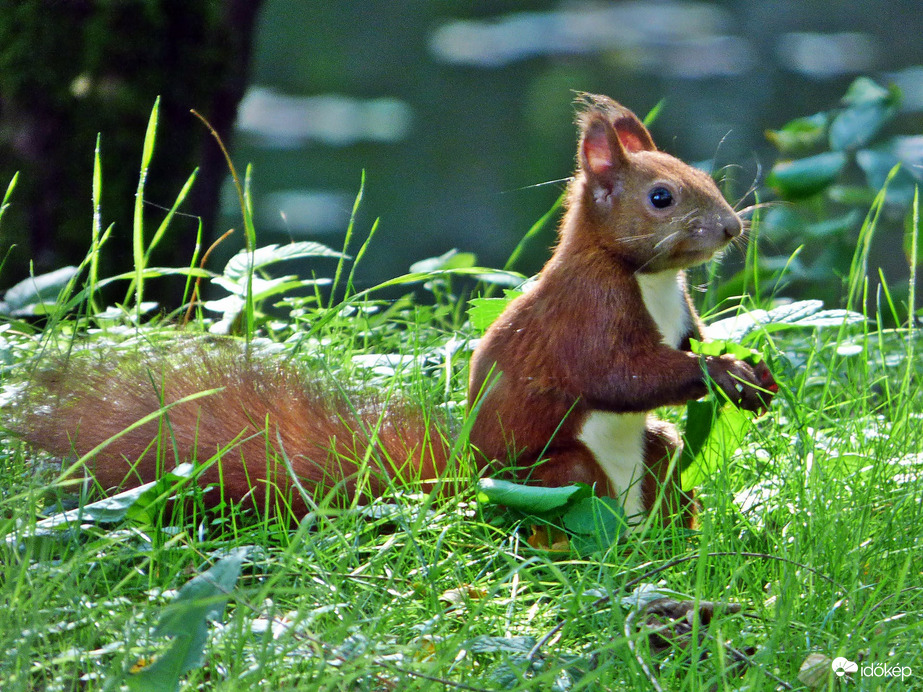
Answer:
(831, 167)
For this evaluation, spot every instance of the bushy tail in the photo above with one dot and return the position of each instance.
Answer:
(253, 422)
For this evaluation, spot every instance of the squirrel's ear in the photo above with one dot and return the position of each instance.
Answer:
(609, 131)
(632, 133)
(600, 148)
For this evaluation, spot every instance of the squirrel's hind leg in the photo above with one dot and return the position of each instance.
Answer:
(662, 489)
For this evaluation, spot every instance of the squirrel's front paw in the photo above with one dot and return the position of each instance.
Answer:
(750, 387)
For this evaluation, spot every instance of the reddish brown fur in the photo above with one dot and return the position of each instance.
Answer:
(257, 406)
(582, 339)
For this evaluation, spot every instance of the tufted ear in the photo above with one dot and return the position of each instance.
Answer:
(609, 132)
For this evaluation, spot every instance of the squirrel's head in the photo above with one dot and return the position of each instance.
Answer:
(644, 206)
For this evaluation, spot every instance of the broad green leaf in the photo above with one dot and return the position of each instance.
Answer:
(485, 644)
(864, 90)
(835, 226)
(134, 504)
(39, 289)
(241, 264)
(857, 125)
(877, 163)
(186, 620)
(701, 415)
(595, 523)
(724, 438)
(869, 107)
(829, 318)
(479, 273)
(603, 517)
(808, 176)
(800, 314)
(484, 311)
(531, 499)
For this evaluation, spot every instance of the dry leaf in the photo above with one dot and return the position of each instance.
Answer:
(549, 538)
(815, 670)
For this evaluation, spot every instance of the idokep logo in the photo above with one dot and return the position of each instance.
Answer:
(841, 666)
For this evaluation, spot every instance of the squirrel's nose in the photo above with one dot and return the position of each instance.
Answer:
(732, 226)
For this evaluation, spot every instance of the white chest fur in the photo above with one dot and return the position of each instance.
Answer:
(666, 302)
(617, 439)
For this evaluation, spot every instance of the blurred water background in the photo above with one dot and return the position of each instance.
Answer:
(460, 112)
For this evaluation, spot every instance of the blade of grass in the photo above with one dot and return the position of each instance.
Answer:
(245, 199)
(349, 234)
(162, 229)
(250, 234)
(137, 245)
(9, 192)
(909, 371)
(3, 207)
(753, 255)
(533, 231)
(194, 285)
(914, 259)
(359, 255)
(858, 270)
(97, 227)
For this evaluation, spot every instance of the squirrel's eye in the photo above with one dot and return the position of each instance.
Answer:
(660, 197)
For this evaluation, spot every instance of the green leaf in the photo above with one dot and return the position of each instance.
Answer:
(239, 266)
(135, 503)
(186, 619)
(484, 311)
(870, 106)
(808, 176)
(834, 227)
(720, 347)
(724, 437)
(485, 644)
(801, 134)
(37, 290)
(531, 499)
(877, 163)
(701, 416)
(602, 517)
(453, 259)
(864, 90)
(800, 314)
(857, 126)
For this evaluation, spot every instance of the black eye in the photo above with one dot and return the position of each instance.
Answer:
(660, 197)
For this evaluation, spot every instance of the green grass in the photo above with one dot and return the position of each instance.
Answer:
(814, 527)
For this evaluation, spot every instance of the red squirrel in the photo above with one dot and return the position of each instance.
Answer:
(565, 379)
(603, 337)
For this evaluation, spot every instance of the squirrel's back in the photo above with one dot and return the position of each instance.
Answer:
(214, 405)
